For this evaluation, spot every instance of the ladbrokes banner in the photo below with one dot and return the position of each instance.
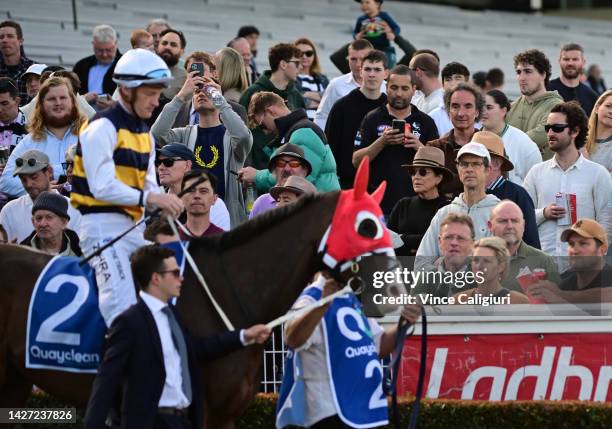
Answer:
(512, 366)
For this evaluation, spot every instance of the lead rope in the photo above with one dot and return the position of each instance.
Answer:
(199, 276)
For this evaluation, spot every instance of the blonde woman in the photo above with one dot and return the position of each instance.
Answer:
(490, 263)
(599, 139)
(310, 82)
(231, 73)
(53, 127)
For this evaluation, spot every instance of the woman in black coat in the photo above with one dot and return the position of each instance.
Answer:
(411, 216)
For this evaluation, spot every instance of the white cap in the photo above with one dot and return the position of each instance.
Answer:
(474, 148)
(36, 69)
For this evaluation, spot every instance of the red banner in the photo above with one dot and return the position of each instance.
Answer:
(512, 366)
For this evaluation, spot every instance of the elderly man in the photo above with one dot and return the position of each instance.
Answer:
(499, 185)
(35, 173)
(96, 71)
(13, 62)
(474, 164)
(294, 188)
(155, 28)
(288, 161)
(589, 278)
(50, 220)
(243, 47)
(455, 240)
(507, 222)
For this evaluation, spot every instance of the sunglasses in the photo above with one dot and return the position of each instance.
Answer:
(557, 128)
(30, 161)
(419, 172)
(67, 165)
(168, 162)
(176, 273)
(294, 163)
(307, 54)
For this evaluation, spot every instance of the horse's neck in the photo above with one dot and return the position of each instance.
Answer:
(259, 280)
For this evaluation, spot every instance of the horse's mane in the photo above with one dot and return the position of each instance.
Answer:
(247, 230)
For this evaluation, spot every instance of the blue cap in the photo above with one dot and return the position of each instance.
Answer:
(176, 150)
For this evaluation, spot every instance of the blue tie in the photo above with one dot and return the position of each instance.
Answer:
(181, 347)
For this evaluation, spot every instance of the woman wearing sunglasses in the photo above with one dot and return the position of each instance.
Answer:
(311, 82)
(411, 216)
(520, 149)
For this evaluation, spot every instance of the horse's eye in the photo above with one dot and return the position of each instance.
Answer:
(367, 225)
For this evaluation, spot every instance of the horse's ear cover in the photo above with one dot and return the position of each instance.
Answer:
(379, 193)
(360, 185)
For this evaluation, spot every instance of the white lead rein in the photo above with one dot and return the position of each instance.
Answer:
(199, 276)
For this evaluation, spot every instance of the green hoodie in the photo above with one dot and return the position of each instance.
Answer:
(261, 150)
(530, 117)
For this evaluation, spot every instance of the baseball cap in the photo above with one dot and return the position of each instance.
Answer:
(36, 69)
(473, 148)
(30, 162)
(176, 150)
(586, 228)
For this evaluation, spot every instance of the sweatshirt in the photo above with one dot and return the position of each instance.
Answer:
(530, 117)
(480, 212)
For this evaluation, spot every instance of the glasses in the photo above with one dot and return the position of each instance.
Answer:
(294, 163)
(420, 172)
(67, 165)
(468, 164)
(30, 161)
(557, 128)
(176, 272)
(307, 54)
(168, 162)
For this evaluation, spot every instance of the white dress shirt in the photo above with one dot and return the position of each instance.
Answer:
(588, 180)
(427, 103)
(172, 394)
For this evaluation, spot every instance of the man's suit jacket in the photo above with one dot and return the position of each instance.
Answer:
(133, 362)
(81, 68)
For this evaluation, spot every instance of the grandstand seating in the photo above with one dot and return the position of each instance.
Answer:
(481, 40)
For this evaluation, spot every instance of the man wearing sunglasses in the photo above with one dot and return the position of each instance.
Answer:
(173, 162)
(571, 175)
(164, 392)
(35, 173)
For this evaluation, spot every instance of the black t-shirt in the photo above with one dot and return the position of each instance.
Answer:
(582, 93)
(603, 279)
(388, 164)
(209, 154)
(341, 129)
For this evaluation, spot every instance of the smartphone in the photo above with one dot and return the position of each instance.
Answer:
(62, 179)
(399, 125)
(199, 67)
(104, 98)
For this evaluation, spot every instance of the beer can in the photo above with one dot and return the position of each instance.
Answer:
(561, 201)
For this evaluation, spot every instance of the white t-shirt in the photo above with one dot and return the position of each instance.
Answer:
(430, 102)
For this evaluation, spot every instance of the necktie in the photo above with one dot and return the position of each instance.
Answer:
(181, 346)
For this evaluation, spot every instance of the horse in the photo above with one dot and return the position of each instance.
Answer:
(255, 272)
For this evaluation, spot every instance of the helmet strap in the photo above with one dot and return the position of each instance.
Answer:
(130, 97)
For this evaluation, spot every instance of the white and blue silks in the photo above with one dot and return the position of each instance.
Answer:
(353, 365)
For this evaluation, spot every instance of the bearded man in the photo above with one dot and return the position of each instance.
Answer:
(53, 127)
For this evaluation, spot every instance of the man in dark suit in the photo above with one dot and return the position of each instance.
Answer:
(151, 358)
(96, 71)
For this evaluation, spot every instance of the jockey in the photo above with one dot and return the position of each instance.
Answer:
(114, 177)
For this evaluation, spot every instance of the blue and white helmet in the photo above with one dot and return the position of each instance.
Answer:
(141, 67)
